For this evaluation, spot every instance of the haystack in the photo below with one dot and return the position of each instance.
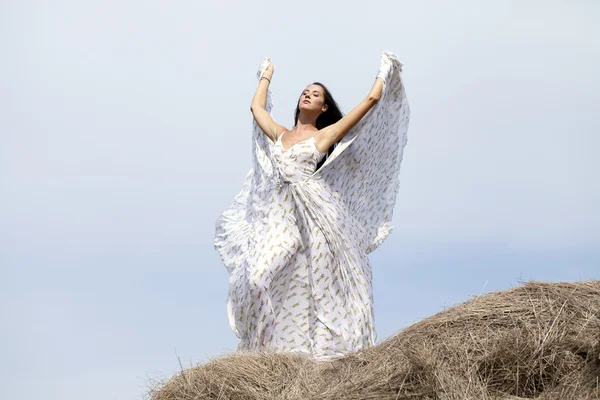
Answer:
(540, 340)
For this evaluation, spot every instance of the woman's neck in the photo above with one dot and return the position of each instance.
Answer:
(306, 123)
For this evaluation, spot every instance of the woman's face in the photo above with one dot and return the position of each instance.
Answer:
(311, 100)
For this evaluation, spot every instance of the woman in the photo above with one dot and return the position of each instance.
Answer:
(318, 199)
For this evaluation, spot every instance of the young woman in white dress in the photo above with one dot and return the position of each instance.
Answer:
(296, 239)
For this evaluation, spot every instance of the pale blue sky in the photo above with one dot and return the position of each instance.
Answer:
(125, 131)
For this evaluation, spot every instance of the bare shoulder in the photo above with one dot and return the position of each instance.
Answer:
(279, 129)
(325, 138)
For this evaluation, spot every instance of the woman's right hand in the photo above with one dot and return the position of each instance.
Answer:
(266, 68)
(269, 71)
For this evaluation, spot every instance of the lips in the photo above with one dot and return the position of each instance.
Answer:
(306, 101)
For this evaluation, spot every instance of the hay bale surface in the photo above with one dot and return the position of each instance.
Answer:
(540, 340)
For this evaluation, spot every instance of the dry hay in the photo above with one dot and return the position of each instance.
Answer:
(540, 340)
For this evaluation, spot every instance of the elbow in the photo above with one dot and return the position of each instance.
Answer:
(254, 107)
(373, 99)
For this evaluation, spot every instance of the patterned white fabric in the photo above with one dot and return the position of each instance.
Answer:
(295, 240)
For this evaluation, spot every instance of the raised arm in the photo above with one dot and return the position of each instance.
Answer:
(333, 133)
(259, 102)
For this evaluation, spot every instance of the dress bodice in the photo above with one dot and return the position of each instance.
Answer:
(297, 162)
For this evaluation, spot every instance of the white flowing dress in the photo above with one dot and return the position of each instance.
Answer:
(295, 240)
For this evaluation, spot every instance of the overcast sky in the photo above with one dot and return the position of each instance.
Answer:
(125, 131)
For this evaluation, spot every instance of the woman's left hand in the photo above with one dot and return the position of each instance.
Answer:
(385, 67)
